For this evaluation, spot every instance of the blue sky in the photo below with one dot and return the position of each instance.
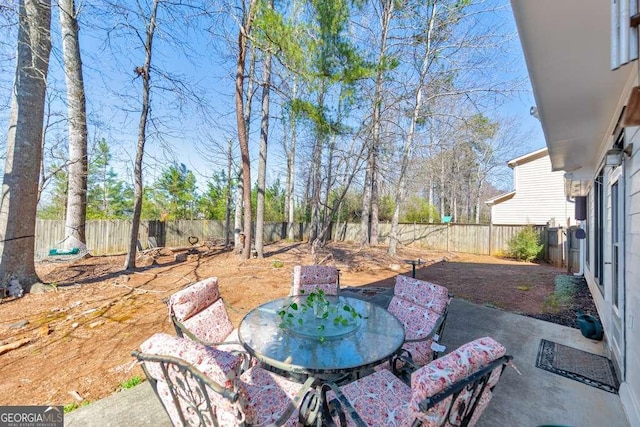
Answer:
(205, 68)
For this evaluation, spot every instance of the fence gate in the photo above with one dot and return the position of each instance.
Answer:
(156, 230)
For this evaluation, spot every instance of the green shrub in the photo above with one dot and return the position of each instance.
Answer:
(525, 245)
(563, 295)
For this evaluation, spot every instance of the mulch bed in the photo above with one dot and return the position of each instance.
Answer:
(582, 300)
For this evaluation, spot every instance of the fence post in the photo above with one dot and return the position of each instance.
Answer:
(490, 236)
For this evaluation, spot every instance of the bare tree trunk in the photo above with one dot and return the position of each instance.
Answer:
(316, 179)
(76, 214)
(365, 217)
(442, 187)
(24, 145)
(143, 72)
(227, 211)
(238, 244)
(430, 197)
(387, 13)
(454, 205)
(327, 211)
(375, 197)
(243, 137)
(262, 165)
(370, 201)
(291, 171)
(306, 204)
(238, 233)
(251, 90)
(478, 195)
(406, 154)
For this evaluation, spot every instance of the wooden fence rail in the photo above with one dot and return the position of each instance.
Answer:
(106, 237)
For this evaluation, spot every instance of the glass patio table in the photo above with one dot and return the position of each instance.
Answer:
(327, 346)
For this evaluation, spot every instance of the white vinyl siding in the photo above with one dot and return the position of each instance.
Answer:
(630, 392)
(539, 197)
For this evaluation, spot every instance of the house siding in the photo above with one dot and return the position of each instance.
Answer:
(630, 384)
(630, 390)
(539, 197)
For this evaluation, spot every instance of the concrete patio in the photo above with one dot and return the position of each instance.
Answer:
(534, 398)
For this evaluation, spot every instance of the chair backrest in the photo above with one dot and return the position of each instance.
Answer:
(195, 383)
(426, 294)
(455, 389)
(308, 278)
(420, 326)
(199, 312)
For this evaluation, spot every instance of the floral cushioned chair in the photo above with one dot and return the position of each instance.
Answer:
(453, 390)
(420, 327)
(421, 292)
(430, 296)
(198, 312)
(201, 385)
(307, 278)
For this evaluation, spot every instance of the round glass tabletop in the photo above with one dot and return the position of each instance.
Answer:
(347, 334)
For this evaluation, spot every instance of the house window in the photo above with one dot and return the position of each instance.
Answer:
(598, 230)
(624, 34)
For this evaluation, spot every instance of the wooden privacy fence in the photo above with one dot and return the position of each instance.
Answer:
(108, 237)
(112, 236)
(482, 239)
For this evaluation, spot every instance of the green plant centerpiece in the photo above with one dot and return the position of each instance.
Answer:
(315, 315)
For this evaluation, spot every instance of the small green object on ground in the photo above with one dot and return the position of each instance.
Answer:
(72, 251)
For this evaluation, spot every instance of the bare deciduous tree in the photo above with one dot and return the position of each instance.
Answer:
(243, 137)
(24, 145)
(76, 213)
(370, 197)
(143, 72)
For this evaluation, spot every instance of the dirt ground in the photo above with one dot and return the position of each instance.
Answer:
(78, 337)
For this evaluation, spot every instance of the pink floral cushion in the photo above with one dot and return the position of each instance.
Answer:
(211, 324)
(418, 323)
(323, 276)
(328, 289)
(193, 299)
(441, 373)
(217, 365)
(380, 399)
(266, 397)
(426, 294)
(233, 343)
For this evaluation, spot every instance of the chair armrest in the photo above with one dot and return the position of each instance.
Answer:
(184, 367)
(478, 381)
(402, 365)
(340, 402)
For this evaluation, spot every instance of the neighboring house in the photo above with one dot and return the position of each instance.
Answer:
(570, 47)
(539, 197)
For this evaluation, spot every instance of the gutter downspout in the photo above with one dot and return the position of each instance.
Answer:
(582, 251)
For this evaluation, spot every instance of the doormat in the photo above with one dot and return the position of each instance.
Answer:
(588, 368)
